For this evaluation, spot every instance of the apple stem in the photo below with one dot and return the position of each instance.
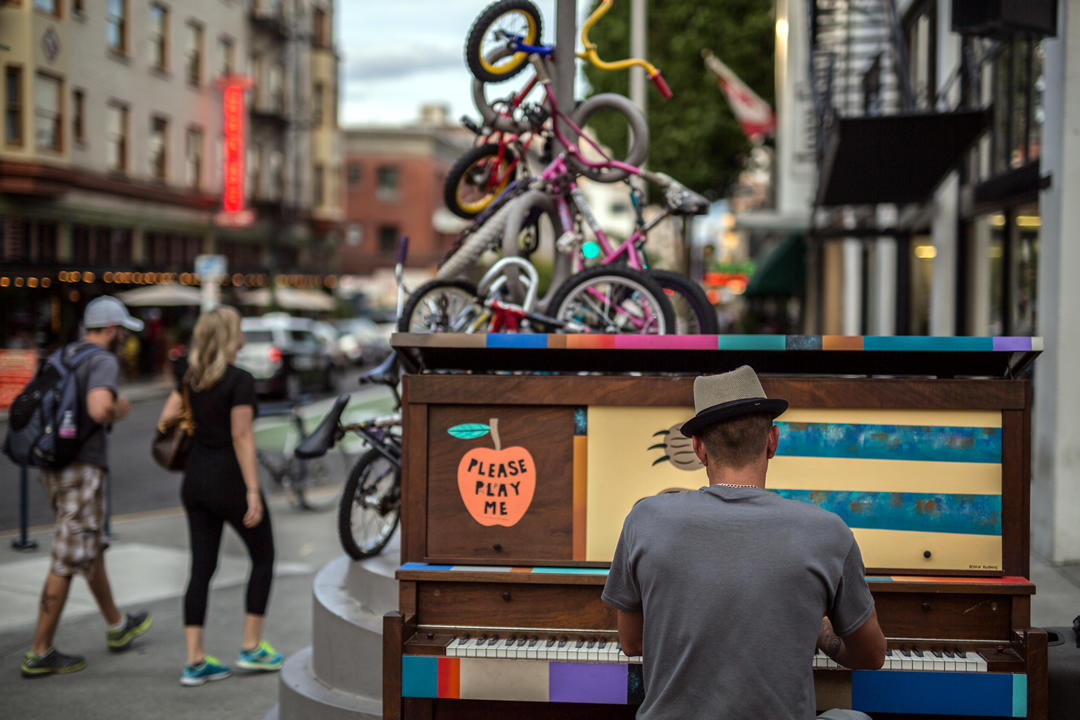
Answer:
(494, 425)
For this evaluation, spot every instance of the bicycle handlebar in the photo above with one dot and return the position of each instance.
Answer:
(593, 57)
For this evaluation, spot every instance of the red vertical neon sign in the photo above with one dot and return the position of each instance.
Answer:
(233, 210)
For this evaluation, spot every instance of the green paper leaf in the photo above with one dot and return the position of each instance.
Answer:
(469, 431)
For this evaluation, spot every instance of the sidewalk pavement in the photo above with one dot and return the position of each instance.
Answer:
(148, 566)
(148, 569)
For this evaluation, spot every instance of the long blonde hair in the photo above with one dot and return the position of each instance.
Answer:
(215, 340)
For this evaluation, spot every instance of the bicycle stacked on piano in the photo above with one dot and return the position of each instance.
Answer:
(595, 287)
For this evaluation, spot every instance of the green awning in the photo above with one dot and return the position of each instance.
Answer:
(782, 271)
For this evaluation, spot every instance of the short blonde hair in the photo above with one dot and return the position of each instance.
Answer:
(214, 343)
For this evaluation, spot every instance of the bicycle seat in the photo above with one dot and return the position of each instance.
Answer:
(317, 443)
(681, 200)
(387, 372)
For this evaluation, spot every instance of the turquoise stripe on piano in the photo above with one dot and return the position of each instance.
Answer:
(918, 512)
(1019, 695)
(419, 676)
(937, 693)
(516, 340)
(751, 342)
(934, 443)
(570, 570)
(924, 343)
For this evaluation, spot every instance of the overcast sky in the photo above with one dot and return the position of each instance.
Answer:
(400, 54)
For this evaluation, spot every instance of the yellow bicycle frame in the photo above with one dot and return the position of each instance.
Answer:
(592, 56)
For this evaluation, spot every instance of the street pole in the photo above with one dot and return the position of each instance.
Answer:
(22, 542)
(565, 61)
(639, 48)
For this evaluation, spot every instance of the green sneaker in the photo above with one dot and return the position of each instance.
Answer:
(134, 626)
(52, 662)
(209, 669)
(263, 657)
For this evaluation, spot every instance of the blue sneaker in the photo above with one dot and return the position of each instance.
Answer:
(263, 657)
(209, 669)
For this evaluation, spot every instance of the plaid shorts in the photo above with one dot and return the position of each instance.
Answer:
(77, 497)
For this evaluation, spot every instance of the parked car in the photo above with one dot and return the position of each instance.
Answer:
(362, 341)
(285, 356)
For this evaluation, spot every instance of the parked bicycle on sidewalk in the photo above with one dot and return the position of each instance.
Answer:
(371, 502)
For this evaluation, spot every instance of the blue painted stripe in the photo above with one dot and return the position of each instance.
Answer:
(935, 443)
(925, 343)
(932, 693)
(419, 676)
(751, 342)
(424, 566)
(570, 571)
(515, 340)
(1019, 696)
(916, 512)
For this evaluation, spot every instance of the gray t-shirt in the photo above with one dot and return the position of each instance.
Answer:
(733, 583)
(100, 370)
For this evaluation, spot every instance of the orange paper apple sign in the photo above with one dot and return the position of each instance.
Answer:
(496, 485)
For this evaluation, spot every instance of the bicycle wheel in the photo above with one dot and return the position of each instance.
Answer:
(519, 18)
(694, 314)
(614, 300)
(442, 306)
(637, 147)
(475, 241)
(473, 181)
(370, 506)
(498, 113)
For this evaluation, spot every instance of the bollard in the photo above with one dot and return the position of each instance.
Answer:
(22, 542)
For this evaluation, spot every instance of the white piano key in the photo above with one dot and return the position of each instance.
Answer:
(501, 648)
(532, 648)
(937, 662)
(454, 646)
(562, 650)
(548, 651)
(470, 647)
(636, 659)
(977, 660)
(623, 657)
(905, 661)
(611, 652)
(592, 651)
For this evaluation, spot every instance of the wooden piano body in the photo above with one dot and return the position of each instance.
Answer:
(515, 485)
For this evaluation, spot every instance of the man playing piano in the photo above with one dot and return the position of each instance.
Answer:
(726, 591)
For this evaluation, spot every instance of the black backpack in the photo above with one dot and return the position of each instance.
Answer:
(43, 423)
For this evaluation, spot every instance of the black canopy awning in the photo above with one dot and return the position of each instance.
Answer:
(894, 158)
(782, 272)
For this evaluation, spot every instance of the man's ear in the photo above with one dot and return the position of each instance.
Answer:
(699, 450)
(774, 441)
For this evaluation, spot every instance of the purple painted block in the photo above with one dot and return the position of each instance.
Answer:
(1004, 344)
(587, 683)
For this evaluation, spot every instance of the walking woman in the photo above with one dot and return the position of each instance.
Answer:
(221, 485)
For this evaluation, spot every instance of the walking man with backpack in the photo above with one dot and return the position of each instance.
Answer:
(73, 466)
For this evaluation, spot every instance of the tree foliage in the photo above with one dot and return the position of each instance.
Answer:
(694, 136)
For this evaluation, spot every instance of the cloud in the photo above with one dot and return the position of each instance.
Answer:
(397, 62)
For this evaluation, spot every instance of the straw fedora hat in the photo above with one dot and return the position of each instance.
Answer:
(727, 396)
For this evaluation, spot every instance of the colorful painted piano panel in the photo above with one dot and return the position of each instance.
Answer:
(920, 489)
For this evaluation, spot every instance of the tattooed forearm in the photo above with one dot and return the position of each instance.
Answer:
(828, 641)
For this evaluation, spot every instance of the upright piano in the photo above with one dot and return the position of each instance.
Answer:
(524, 453)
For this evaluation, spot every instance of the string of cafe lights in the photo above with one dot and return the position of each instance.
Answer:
(88, 277)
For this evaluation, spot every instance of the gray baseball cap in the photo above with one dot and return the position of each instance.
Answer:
(105, 311)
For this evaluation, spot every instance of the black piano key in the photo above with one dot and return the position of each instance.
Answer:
(580, 644)
(918, 653)
(936, 653)
(948, 653)
(551, 642)
(905, 652)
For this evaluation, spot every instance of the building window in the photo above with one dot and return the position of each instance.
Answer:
(193, 152)
(388, 236)
(276, 87)
(77, 6)
(193, 54)
(354, 235)
(317, 101)
(318, 192)
(254, 165)
(78, 118)
(13, 106)
(116, 26)
(354, 173)
(51, 7)
(159, 142)
(386, 182)
(159, 37)
(276, 168)
(116, 134)
(320, 29)
(48, 129)
(227, 49)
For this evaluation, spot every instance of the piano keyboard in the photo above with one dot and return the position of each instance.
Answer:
(534, 647)
(600, 649)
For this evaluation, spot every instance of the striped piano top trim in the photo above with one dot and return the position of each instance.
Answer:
(552, 570)
(868, 343)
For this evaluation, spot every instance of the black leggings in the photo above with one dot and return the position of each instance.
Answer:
(205, 522)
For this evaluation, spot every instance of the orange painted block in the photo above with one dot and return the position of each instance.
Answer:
(449, 678)
(841, 342)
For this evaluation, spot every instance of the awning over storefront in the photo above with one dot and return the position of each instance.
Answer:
(290, 299)
(782, 272)
(894, 158)
(165, 295)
